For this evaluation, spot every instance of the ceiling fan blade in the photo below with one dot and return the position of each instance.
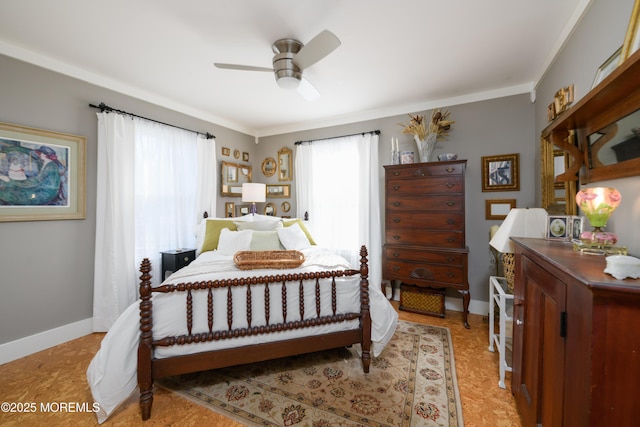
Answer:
(241, 67)
(307, 90)
(319, 47)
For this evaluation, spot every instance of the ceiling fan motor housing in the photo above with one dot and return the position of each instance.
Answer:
(287, 74)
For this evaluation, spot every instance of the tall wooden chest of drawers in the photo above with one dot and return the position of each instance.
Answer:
(425, 227)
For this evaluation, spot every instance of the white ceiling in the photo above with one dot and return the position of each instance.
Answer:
(396, 57)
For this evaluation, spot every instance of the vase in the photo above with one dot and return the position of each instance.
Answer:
(425, 146)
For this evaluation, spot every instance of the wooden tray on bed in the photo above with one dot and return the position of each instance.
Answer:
(252, 260)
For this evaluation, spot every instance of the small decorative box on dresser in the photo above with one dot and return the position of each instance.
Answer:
(425, 227)
(576, 339)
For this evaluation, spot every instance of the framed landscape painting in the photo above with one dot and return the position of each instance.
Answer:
(42, 174)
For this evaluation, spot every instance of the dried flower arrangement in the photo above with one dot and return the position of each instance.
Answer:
(438, 125)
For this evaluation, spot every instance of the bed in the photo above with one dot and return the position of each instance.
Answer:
(212, 314)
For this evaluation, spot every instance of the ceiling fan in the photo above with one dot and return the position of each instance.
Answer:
(291, 59)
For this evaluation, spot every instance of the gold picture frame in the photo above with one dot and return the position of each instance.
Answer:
(285, 164)
(226, 151)
(498, 208)
(607, 67)
(501, 173)
(278, 190)
(269, 166)
(229, 209)
(31, 158)
(632, 37)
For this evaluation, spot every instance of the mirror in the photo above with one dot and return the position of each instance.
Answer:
(270, 209)
(269, 166)
(615, 143)
(558, 197)
(285, 164)
(232, 178)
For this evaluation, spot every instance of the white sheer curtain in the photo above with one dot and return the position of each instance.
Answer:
(337, 183)
(147, 201)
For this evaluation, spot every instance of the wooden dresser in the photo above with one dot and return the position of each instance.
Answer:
(425, 227)
(576, 339)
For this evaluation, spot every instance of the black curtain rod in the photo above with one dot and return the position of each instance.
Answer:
(377, 132)
(103, 107)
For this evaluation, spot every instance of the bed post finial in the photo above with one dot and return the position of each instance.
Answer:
(145, 346)
(364, 309)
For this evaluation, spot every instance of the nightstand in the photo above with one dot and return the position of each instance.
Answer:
(174, 260)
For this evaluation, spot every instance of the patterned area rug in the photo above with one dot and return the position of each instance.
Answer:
(412, 382)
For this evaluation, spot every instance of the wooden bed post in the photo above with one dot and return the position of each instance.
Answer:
(365, 320)
(145, 346)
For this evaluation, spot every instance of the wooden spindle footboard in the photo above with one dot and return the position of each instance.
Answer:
(150, 368)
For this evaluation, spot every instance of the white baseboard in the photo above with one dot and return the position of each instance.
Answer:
(43, 340)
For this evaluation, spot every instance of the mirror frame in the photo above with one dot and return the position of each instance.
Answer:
(550, 186)
(285, 159)
(269, 166)
(231, 186)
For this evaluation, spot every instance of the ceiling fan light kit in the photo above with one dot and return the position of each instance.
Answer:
(291, 58)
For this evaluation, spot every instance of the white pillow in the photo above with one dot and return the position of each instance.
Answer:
(265, 241)
(233, 241)
(293, 237)
(259, 225)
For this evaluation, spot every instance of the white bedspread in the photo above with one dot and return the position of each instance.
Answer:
(112, 374)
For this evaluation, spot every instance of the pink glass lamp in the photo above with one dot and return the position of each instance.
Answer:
(598, 204)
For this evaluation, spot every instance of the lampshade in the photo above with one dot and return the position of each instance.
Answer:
(520, 222)
(254, 192)
(598, 204)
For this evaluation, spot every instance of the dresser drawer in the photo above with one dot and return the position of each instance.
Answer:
(423, 272)
(402, 254)
(431, 203)
(438, 184)
(438, 221)
(421, 169)
(434, 238)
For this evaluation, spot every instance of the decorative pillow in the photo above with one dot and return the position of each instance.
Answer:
(293, 237)
(298, 221)
(233, 241)
(265, 241)
(259, 225)
(212, 232)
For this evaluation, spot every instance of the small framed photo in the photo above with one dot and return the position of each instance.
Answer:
(577, 224)
(498, 209)
(607, 68)
(242, 210)
(558, 227)
(501, 173)
(226, 151)
(245, 156)
(229, 210)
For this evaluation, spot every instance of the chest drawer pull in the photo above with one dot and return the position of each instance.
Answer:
(450, 203)
(451, 274)
(396, 173)
(451, 239)
(395, 236)
(396, 220)
(396, 268)
(450, 169)
(396, 204)
(450, 259)
(451, 221)
(186, 259)
(396, 187)
(449, 184)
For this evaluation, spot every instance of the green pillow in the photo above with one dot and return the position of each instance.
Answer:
(212, 232)
(265, 241)
(302, 227)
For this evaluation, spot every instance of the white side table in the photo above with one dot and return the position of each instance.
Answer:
(502, 340)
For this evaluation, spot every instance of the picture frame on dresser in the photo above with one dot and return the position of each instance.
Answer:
(501, 173)
(558, 227)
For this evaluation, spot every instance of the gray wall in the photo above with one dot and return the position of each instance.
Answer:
(487, 128)
(46, 267)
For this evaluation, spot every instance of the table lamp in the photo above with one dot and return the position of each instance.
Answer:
(598, 204)
(253, 192)
(520, 222)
